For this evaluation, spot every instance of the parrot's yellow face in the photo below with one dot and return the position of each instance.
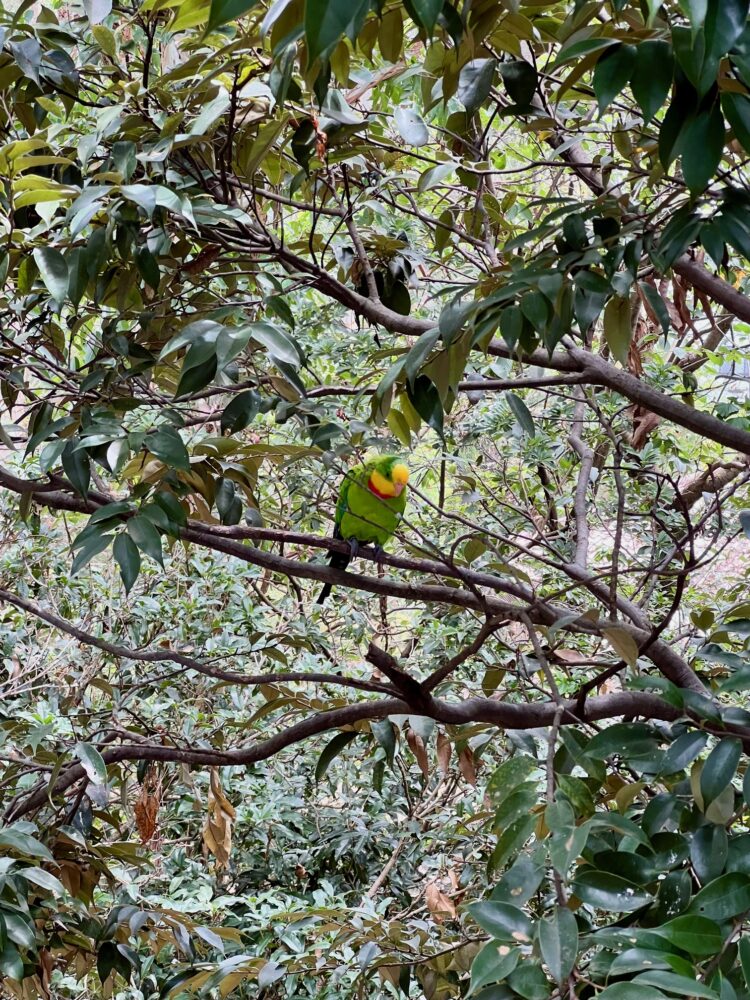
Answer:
(384, 486)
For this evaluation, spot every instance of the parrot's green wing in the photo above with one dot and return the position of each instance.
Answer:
(342, 504)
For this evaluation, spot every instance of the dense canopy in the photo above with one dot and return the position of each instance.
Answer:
(245, 245)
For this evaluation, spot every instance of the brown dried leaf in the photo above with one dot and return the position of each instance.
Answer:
(439, 905)
(417, 747)
(467, 767)
(217, 828)
(443, 753)
(147, 806)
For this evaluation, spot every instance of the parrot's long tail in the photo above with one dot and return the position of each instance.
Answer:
(336, 560)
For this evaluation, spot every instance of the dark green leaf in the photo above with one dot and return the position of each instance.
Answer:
(167, 445)
(522, 414)
(77, 467)
(558, 941)
(425, 12)
(725, 898)
(148, 267)
(325, 23)
(696, 935)
(737, 109)
(657, 304)
(332, 750)
(609, 892)
(719, 769)
(702, 148)
(502, 921)
(652, 76)
(241, 412)
(475, 83)
(629, 991)
(146, 537)
(54, 271)
(683, 751)
(128, 559)
(612, 72)
(708, 852)
(11, 963)
(223, 11)
(92, 547)
(520, 80)
(494, 962)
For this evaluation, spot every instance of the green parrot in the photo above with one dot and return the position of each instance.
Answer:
(371, 501)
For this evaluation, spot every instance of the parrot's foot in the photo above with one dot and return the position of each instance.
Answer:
(378, 552)
(353, 547)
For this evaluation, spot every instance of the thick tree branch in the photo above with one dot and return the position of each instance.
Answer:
(501, 714)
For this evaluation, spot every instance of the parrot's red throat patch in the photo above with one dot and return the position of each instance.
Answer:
(373, 489)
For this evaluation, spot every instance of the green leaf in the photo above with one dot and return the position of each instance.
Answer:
(612, 72)
(626, 739)
(652, 76)
(737, 109)
(77, 467)
(148, 267)
(683, 751)
(493, 963)
(558, 941)
(502, 921)
(92, 547)
(23, 843)
(128, 559)
(719, 769)
(696, 935)
(411, 127)
(425, 13)
(695, 11)
(92, 762)
(529, 982)
(677, 235)
(520, 79)
(702, 148)
(618, 328)
(278, 344)
(521, 412)
(241, 412)
(167, 445)
(708, 852)
(724, 898)
(223, 11)
(11, 963)
(325, 23)
(425, 399)
(54, 271)
(629, 991)
(609, 892)
(43, 879)
(332, 750)
(657, 304)
(475, 83)
(146, 537)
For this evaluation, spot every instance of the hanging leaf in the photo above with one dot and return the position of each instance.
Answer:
(618, 330)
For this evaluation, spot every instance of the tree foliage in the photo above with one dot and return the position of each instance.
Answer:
(243, 243)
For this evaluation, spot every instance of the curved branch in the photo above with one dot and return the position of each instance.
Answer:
(501, 714)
